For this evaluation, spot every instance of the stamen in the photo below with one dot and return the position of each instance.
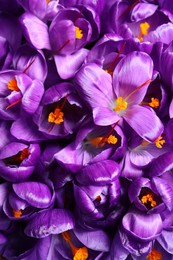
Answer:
(81, 254)
(144, 143)
(78, 253)
(112, 65)
(12, 85)
(79, 33)
(159, 142)
(143, 31)
(154, 255)
(56, 117)
(149, 198)
(154, 103)
(48, 1)
(121, 104)
(17, 213)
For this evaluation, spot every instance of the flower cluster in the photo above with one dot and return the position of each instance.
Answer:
(86, 123)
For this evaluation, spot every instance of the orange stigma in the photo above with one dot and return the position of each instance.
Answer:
(78, 253)
(110, 69)
(159, 142)
(17, 213)
(12, 85)
(143, 31)
(79, 33)
(18, 158)
(154, 255)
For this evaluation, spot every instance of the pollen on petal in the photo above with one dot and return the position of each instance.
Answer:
(154, 255)
(159, 142)
(81, 254)
(79, 33)
(12, 85)
(56, 117)
(17, 213)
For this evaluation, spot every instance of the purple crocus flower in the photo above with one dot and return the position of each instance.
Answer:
(97, 192)
(18, 88)
(18, 161)
(26, 198)
(151, 196)
(110, 103)
(60, 112)
(92, 144)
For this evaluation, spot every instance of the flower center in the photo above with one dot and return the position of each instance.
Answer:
(121, 104)
(79, 33)
(149, 198)
(17, 213)
(159, 142)
(101, 140)
(18, 158)
(154, 255)
(78, 253)
(143, 31)
(56, 117)
(12, 85)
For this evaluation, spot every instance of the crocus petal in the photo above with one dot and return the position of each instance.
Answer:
(165, 239)
(67, 65)
(165, 191)
(142, 226)
(85, 204)
(36, 194)
(22, 130)
(163, 33)
(97, 240)
(35, 31)
(37, 7)
(104, 116)
(138, 64)
(160, 165)
(16, 174)
(52, 221)
(142, 11)
(100, 173)
(145, 122)
(32, 97)
(94, 85)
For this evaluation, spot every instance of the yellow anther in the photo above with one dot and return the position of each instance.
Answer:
(78, 253)
(154, 255)
(111, 139)
(81, 254)
(101, 140)
(56, 117)
(121, 104)
(12, 85)
(159, 142)
(143, 30)
(149, 198)
(17, 213)
(154, 103)
(79, 33)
